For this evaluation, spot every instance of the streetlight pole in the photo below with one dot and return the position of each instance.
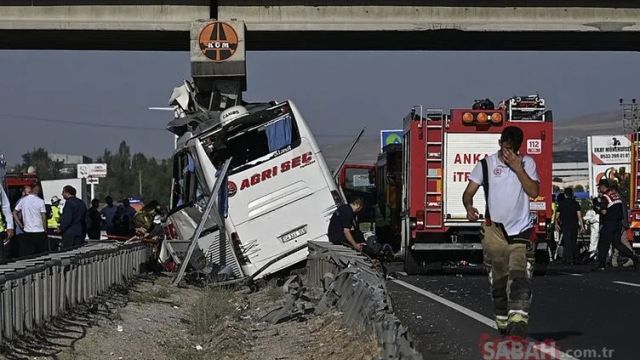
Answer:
(630, 115)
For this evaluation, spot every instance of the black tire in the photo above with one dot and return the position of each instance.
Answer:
(411, 264)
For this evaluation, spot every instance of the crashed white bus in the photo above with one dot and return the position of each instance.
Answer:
(280, 192)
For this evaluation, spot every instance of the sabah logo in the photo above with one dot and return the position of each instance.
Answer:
(218, 41)
(232, 188)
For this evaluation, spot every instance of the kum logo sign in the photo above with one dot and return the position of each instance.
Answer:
(257, 178)
(218, 41)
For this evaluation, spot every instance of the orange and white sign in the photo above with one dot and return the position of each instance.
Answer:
(218, 41)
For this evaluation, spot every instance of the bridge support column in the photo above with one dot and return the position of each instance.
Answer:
(218, 63)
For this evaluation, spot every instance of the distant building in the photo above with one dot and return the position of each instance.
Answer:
(69, 162)
(67, 159)
(570, 174)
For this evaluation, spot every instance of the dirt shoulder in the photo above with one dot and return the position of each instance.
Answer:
(153, 320)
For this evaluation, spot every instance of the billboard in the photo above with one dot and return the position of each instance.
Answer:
(609, 156)
(92, 170)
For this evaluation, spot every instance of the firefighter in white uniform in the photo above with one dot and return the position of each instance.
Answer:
(592, 220)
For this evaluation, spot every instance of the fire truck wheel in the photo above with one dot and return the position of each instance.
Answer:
(412, 265)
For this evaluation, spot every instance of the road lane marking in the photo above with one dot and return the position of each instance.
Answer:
(626, 283)
(570, 274)
(553, 352)
(402, 273)
(470, 313)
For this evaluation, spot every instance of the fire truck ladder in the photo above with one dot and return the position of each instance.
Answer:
(434, 157)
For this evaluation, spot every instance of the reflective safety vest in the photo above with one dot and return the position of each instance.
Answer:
(54, 221)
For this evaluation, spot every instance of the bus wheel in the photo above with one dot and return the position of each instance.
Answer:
(412, 265)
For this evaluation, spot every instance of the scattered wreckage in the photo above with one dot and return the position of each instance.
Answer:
(274, 191)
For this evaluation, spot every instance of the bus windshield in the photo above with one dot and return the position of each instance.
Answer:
(254, 144)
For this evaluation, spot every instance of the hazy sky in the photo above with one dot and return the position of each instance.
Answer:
(45, 94)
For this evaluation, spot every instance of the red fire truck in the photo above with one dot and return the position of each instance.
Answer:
(634, 192)
(380, 186)
(440, 150)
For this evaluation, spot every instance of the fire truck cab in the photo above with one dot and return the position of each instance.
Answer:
(15, 182)
(440, 151)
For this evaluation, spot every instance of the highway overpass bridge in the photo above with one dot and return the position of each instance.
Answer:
(326, 25)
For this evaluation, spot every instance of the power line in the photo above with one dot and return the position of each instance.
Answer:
(80, 123)
(350, 136)
(122, 126)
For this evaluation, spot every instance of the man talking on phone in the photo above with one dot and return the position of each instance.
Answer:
(509, 180)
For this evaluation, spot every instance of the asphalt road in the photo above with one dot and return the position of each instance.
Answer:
(583, 312)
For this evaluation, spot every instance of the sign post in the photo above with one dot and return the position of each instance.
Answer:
(389, 137)
(92, 173)
(93, 181)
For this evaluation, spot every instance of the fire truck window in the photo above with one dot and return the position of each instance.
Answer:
(358, 179)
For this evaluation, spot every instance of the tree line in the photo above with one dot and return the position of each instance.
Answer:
(128, 175)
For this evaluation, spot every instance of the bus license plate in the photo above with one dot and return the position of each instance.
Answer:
(294, 234)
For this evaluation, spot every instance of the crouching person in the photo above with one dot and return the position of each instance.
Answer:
(343, 225)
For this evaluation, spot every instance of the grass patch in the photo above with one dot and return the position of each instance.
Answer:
(150, 296)
(210, 309)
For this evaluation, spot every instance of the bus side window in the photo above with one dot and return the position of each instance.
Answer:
(185, 179)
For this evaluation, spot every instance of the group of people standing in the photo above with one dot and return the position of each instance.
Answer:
(32, 227)
(25, 230)
(123, 221)
(607, 222)
(117, 220)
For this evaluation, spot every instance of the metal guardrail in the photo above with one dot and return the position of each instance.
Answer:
(33, 291)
